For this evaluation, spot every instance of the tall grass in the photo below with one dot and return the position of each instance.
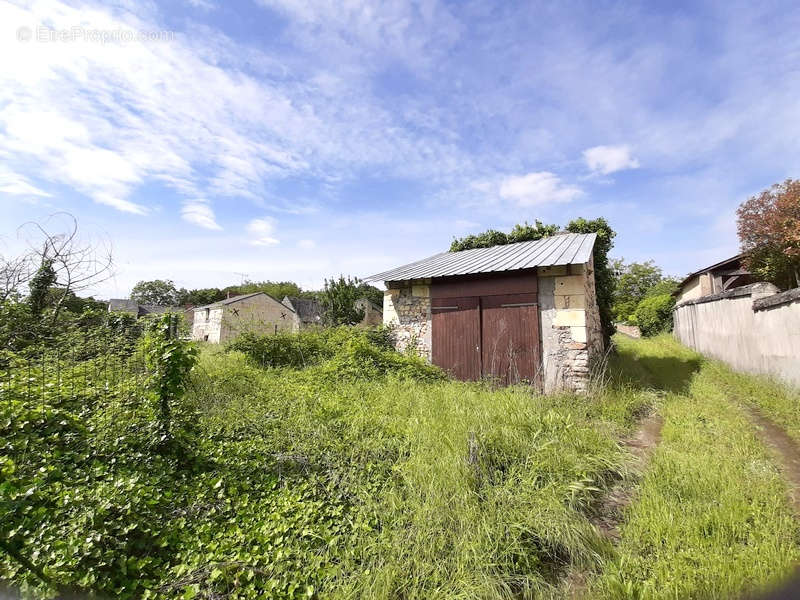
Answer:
(468, 492)
(710, 518)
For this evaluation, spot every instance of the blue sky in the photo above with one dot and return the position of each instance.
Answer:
(291, 139)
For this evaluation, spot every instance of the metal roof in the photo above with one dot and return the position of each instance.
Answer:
(561, 249)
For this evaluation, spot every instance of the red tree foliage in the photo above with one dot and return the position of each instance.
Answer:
(769, 232)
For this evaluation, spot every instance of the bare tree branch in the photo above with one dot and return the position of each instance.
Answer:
(79, 264)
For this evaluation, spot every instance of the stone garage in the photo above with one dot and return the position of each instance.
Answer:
(518, 313)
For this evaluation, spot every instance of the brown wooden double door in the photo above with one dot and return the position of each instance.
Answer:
(487, 336)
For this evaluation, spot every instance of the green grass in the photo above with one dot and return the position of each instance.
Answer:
(507, 524)
(364, 475)
(710, 517)
(775, 399)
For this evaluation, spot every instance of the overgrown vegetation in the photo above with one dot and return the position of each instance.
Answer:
(338, 299)
(327, 465)
(710, 518)
(653, 314)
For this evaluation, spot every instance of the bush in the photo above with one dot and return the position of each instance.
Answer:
(340, 352)
(295, 350)
(360, 359)
(654, 314)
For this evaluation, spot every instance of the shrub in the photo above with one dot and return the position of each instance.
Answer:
(295, 350)
(654, 314)
(360, 359)
(341, 352)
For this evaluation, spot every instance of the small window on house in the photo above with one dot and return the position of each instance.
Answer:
(205, 338)
(208, 314)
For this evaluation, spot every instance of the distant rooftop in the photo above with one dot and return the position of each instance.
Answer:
(231, 300)
(561, 249)
(308, 309)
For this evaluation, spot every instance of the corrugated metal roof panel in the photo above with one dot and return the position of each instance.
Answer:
(562, 249)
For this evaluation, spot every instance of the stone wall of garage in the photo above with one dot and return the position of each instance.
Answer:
(407, 310)
(571, 332)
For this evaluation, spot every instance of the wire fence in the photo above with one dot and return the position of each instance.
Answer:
(82, 366)
(51, 376)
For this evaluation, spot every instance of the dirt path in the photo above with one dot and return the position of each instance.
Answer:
(641, 445)
(608, 517)
(786, 449)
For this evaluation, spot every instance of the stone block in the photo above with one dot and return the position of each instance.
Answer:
(420, 291)
(576, 346)
(573, 301)
(551, 271)
(578, 334)
(570, 318)
(570, 285)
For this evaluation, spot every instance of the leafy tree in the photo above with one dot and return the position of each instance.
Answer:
(603, 276)
(653, 315)
(160, 292)
(769, 232)
(276, 289)
(40, 285)
(338, 301)
(668, 285)
(371, 293)
(634, 282)
(527, 233)
(490, 237)
(199, 297)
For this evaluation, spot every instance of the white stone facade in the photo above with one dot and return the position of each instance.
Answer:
(259, 314)
(572, 336)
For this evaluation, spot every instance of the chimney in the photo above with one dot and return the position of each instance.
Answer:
(229, 294)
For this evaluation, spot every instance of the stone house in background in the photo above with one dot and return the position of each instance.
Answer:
(224, 320)
(307, 312)
(373, 314)
(720, 277)
(523, 312)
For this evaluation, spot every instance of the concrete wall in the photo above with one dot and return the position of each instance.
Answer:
(258, 314)
(752, 328)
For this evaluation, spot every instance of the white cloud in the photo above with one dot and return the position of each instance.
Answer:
(199, 213)
(541, 187)
(262, 231)
(16, 185)
(609, 159)
(205, 5)
(197, 112)
(306, 244)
